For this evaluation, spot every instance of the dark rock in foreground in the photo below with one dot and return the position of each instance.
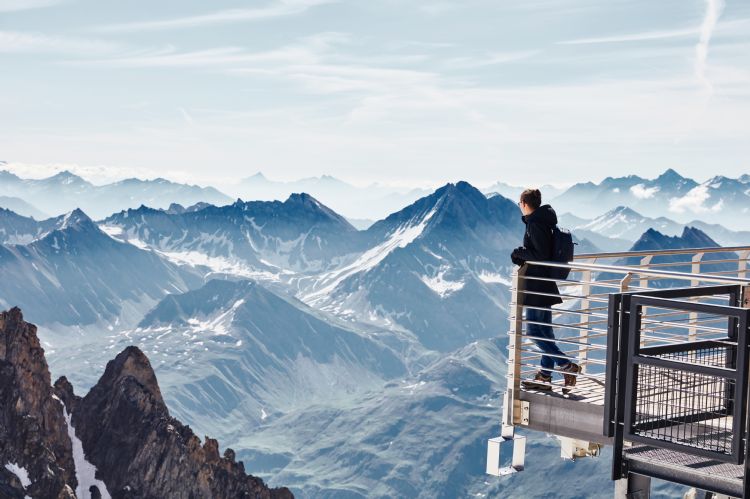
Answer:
(123, 424)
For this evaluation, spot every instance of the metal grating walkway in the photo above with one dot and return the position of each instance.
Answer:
(701, 472)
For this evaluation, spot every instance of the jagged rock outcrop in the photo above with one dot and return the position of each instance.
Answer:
(140, 450)
(34, 443)
(130, 442)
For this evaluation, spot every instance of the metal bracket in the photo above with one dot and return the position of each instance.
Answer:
(571, 448)
(745, 300)
(525, 411)
(493, 455)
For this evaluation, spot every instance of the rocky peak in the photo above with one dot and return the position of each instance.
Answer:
(19, 346)
(123, 426)
(33, 432)
(625, 211)
(76, 219)
(175, 209)
(131, 364)
(691, 237)
(65, 177)
(669, 175)
(305, 201)
(63, 390)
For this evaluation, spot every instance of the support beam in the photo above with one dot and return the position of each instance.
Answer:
(633, 487)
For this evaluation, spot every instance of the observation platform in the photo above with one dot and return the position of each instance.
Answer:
(662, 340)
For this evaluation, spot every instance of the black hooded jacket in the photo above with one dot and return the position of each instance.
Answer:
(537, 246)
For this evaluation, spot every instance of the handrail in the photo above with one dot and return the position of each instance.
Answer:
(685, 251)
(648, 272)
(588, 338)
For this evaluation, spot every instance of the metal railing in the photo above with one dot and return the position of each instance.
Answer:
(688, 396)
(581, 323)
(679, 409)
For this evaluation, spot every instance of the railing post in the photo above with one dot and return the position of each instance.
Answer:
(633, 487)
(512, 409)
(645, 263)
(625, 282)
(585, 322)
(742, 264)
(643, 283)
(695, 269)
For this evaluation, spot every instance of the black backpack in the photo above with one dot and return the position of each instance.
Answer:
(562, 251)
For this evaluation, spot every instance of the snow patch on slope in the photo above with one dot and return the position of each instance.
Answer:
(85, 471)
(20, 472)
(219, 265)
(111, 230)
(400, 238)
(493, 278)
(442, 286)
(613, 226)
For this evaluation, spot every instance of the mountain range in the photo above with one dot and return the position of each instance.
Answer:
(417, 269)
(271, 237)
(719, 199)
(619, 228)
(336, 361)
(65, 191)
(512, 192)
(75, 274)
(369, 202)
(281, 350)
(21, 207)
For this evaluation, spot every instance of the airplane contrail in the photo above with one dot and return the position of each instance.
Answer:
(714, 9)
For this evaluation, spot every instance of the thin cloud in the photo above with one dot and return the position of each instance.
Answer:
(28, 42)
(634, 37)
(279, 8)
(736, 27)
(220, 56)
(489, 60)
(16, 5)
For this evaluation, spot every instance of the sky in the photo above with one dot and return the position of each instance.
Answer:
(411, 93)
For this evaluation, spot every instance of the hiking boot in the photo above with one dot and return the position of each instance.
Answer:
(541, 383)
(569, 374)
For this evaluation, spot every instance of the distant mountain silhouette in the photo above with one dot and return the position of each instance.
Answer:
(66, 191)
(717, 200)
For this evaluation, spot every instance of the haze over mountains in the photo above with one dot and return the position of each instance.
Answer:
(337, 361)
(717, 200)
(371, 202)
(619, 228)
(66, 191)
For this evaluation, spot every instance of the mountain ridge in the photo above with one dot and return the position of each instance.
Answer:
(64, 191)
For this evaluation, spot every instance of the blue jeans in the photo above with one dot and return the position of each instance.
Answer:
(540, 331)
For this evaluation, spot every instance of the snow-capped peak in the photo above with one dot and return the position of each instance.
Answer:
(74, 220)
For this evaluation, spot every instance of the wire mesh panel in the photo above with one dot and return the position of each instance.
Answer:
(687, 395)
(683, 407)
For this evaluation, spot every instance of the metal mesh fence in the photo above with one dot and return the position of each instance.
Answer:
(686, 407)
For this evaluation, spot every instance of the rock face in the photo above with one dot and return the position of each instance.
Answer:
(33, 434)
(137, 449)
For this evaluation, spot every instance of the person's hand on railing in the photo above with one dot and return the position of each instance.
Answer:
(515, 257)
